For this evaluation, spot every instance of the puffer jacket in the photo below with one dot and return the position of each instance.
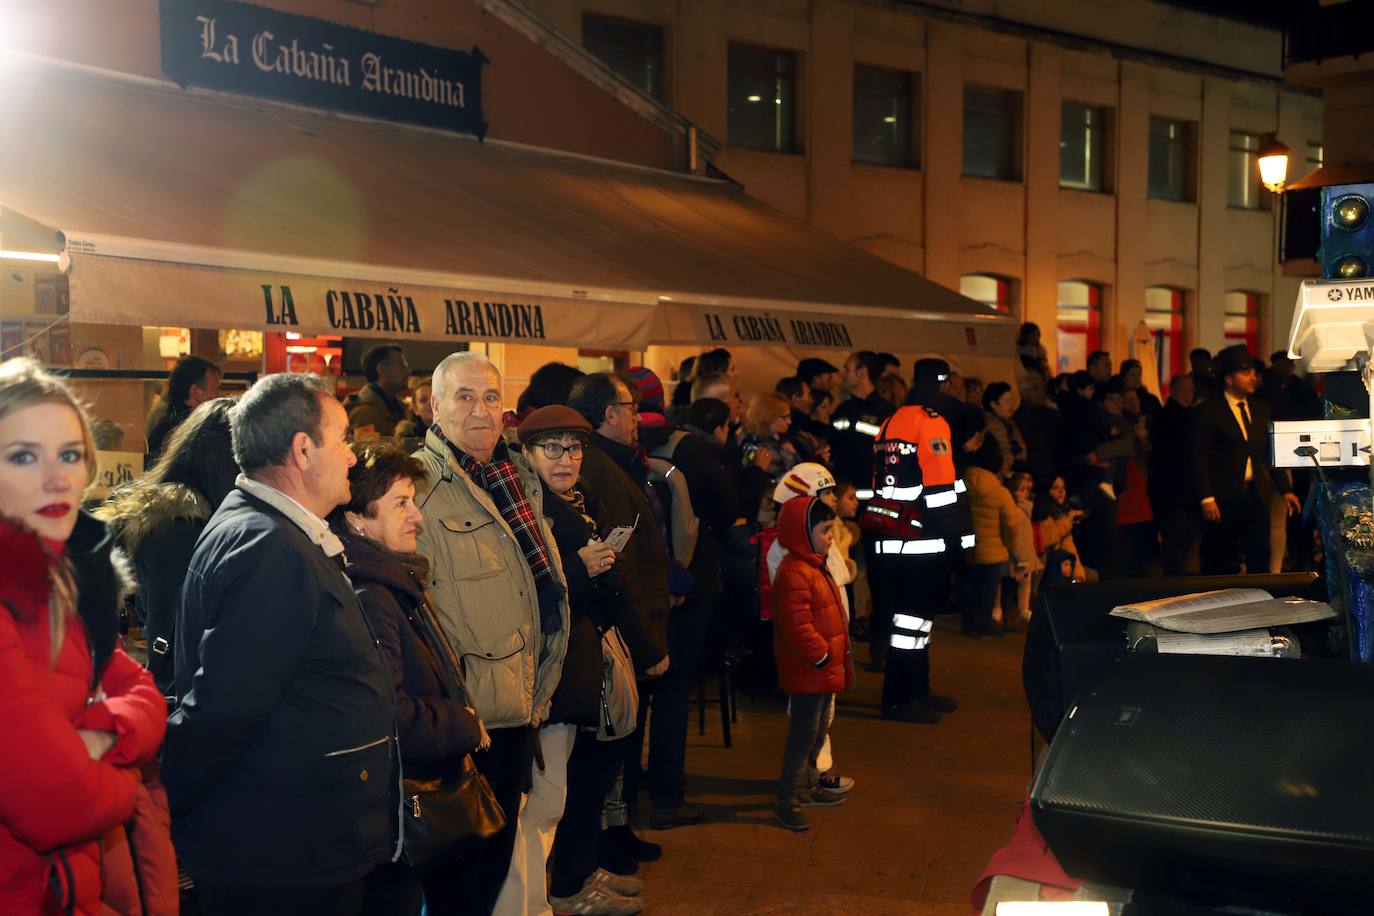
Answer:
(995, 516)
(56, 802)
(810, 632)
(157, 526)
(484, 591)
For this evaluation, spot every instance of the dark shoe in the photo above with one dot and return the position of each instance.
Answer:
(938, 702)
(791, 817)
(836, 785)
(624, 840)
(683, 815)
(613, 859)
(819, 798)
(911, 712)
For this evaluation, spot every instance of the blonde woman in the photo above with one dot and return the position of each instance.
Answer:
(80, 715)
(765, 448)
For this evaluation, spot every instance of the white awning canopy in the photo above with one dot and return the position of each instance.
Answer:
(201, 209)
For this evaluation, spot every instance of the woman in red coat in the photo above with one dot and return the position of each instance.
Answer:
(811, 646)
(79, 716)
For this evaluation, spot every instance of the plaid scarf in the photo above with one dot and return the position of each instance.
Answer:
(501, 482)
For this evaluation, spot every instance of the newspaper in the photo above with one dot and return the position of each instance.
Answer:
(1224, 611)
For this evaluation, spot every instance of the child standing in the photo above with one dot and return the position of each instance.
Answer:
(811, 646)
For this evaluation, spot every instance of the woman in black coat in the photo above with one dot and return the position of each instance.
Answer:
(378, 527)
(554, 438)
(157, 519)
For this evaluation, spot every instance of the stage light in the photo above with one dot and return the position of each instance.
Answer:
(1350, 212)
(1350, 267)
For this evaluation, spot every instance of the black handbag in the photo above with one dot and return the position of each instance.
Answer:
(447, 818)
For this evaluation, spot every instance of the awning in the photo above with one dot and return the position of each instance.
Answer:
(202, 209)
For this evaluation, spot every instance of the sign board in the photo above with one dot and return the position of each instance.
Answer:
(238, 47)
(114, 469)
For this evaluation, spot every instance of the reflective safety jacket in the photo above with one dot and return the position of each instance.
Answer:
(854, 425)
(919, 504)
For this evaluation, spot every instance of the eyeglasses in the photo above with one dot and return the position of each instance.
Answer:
(555, 450)
(631, 406)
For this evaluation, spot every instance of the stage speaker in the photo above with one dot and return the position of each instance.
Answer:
(1073, 634)
(1219, 779)
(1347, 250)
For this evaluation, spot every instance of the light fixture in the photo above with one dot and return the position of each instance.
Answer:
(1273, 165)
(756, 98)
(1350, 212)
(890, 119)
(6, 255)
(1350, 267)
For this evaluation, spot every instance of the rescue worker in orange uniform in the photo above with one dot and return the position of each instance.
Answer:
(915, 527)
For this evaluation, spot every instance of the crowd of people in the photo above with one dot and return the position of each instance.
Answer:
(413, 644)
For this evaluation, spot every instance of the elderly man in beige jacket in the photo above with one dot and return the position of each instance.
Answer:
(498, 582)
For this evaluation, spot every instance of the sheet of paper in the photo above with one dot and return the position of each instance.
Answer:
(1251, 642)
(619, 537)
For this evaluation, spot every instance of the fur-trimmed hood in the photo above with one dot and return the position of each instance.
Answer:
(135, 512)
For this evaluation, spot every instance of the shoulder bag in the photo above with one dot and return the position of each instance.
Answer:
(450, 817)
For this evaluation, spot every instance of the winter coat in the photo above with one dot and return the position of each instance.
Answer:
(370, 406)
(57, 802)
(616, 475)
(433, 727)
(810, 632)
(157, 436)
(281, 761)
(995, 517)
(484, 591)
(1056, 533)
(157, 526)
(592, 601)
(1008, 436)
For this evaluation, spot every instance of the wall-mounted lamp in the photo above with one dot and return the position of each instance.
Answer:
(1273, 165)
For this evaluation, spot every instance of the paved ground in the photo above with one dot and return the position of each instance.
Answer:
(931, 804)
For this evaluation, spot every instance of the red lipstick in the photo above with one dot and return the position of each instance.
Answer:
(55, 510)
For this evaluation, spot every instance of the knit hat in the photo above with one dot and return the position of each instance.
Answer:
(649, 387)
(556, 418)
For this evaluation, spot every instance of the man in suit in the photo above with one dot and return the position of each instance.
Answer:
(1231, 469)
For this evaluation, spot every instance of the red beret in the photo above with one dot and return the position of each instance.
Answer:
(552, 419)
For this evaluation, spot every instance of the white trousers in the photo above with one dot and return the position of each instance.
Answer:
(526, 892)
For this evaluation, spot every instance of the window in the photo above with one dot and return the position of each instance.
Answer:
(1082, 147)
(885, 120)
(632, 49)
(1315, 154)
(763, 99)
(1164, 318)
(1079, 320)
(1243, 188)
(1241, 319)
(992, 133)
(994, 292)
(1171, 159)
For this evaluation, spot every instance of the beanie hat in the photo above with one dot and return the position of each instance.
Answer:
(647, 384)
(555, 418)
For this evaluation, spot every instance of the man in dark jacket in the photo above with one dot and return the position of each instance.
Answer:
(1039, 425)
(192, 382)
(1231, 470)
(855, 423)
(615, 471)
(1172, 498)
(376, 408)
(281, 763)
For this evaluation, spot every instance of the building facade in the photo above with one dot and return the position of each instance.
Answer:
(1083, 166)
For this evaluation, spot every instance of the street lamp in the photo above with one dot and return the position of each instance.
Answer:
(1273, 165)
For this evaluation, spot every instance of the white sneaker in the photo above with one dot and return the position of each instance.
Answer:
(595, 900)
(624, 885)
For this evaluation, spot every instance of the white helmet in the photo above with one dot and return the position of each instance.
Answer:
(806, 479)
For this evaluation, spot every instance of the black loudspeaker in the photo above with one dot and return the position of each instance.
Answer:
(1072, 635)
(1220, 780)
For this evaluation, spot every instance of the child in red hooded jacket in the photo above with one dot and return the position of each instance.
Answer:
(811, 647)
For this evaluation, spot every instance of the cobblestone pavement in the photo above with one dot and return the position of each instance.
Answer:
(930, 806)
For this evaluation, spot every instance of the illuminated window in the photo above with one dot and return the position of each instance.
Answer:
(994, 292)
(1079, 323)
(1164, 318)
(1242, 312)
